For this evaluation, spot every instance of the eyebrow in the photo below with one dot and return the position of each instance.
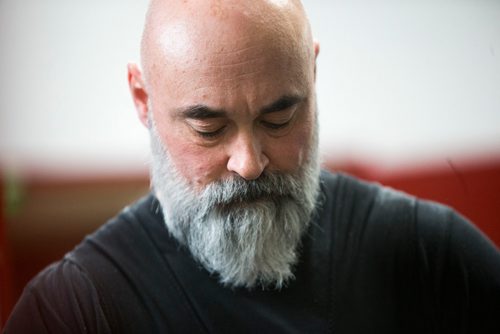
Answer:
(200, 111)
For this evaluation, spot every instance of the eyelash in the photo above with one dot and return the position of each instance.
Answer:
(274, 126)
(213, 134)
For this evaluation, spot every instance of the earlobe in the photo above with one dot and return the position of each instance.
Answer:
(138, 92)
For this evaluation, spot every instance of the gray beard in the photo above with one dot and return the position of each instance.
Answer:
(247, 232)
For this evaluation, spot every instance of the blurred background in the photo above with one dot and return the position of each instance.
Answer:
(408, 91)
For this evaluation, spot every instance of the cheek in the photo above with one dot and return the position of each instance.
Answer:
(198, 165)
(288, 153)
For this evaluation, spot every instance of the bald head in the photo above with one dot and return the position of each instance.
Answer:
(178, 31)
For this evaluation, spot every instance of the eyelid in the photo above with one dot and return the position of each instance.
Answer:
(205, 126)
(280, 119)
(211, 134)
(275, 126)
(206, 129)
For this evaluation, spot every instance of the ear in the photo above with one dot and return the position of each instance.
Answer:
(316, 53)
(138, 92)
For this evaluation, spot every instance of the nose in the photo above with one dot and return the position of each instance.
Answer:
(246, 157)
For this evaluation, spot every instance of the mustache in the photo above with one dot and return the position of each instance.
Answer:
(237, 190)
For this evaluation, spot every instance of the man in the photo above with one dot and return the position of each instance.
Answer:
(241, 232)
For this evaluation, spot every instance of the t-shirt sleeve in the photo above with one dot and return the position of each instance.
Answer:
(61, 299)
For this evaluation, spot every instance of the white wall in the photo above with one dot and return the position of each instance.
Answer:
(397, 81)
(64, 99)
(409, 80)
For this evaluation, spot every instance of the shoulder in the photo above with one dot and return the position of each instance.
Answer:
(363, 202)
(424, 255)
(388, 220)
(110, 267)
(60, 299)
(354, 198)
(353, 201)
(120, 245)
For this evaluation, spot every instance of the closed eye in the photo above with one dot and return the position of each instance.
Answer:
(210, 134)
(275, 126)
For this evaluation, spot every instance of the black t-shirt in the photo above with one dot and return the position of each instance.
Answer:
(373, 261)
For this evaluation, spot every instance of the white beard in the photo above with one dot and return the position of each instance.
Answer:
(247, 232)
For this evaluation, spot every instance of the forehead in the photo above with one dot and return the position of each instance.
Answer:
(228, 66)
